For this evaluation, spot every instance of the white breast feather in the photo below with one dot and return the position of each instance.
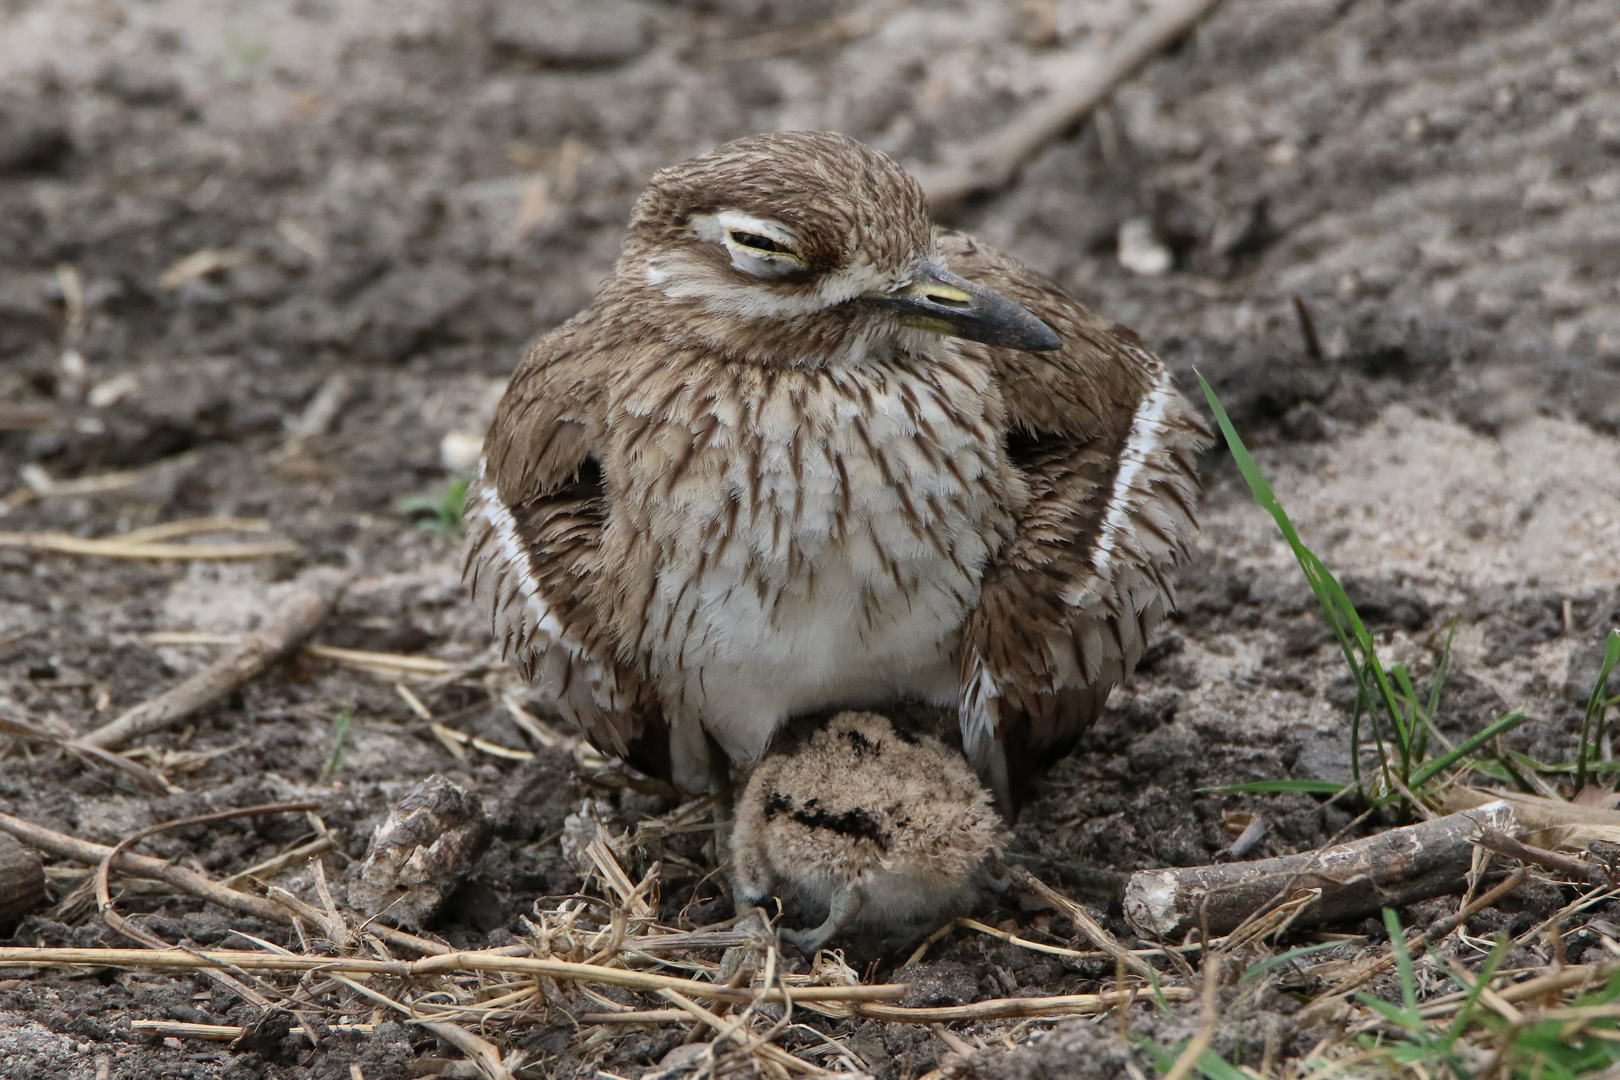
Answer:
(852, 613)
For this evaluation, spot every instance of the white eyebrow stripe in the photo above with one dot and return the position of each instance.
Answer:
(736, 221)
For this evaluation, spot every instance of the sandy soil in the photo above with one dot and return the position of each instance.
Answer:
(270, 256)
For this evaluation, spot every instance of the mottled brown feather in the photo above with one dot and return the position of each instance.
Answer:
(673, 452)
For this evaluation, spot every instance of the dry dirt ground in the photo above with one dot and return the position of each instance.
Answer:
(267, 256)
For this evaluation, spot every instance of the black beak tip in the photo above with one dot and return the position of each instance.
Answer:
(1042, 338)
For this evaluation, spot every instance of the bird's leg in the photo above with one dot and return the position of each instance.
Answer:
(845, 906)
(724, 794)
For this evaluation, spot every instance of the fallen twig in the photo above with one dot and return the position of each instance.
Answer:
(1388, 870)
(388, 665)
(187, 881)
(285, 628)
(1084, 924)
(1509, 848)
(992, 162)
(94, 755)
(221, 1032)
(457, 962)
(152, 542)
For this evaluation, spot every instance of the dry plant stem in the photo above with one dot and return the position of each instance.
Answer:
(285, 859)
(1001, 1008)
(449, 963)
(1187, 1060)
(1535, 812)
(187, 881)
(954, 1042)
(1415, 948)
(730, 1028)
(1509, 848)
(93, 755)
(481, 1052)
(220, 1032)
(1388, 870)
(1087, 927)
(286, 628)
(636, 1016)
(104, 901)
(22, 881)
(114, 547)
(992, 162)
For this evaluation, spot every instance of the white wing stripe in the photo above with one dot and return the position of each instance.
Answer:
(1147, 433)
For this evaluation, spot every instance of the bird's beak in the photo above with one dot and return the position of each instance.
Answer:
(936, 299)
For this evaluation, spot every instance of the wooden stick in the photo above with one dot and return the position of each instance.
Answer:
(991, 163)
(22, 881)
(1388, 870)
(449, 964)
(93, 755)
(285, 629)
(187, 881)
(1084, 924)
(1510, 848)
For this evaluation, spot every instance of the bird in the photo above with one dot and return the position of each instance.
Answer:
(885, 830)
(806, 450)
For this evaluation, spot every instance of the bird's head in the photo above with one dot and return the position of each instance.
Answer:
(802, 247)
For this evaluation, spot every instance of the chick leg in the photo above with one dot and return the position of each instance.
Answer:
(845, 906)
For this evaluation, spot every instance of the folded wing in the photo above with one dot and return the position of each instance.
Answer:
(1108, 447)
(535, 520)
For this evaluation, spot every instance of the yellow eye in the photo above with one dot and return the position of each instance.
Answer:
(755, 242)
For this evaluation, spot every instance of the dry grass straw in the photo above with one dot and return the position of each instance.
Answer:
(600, 960)
(603, 961)
(156, 542)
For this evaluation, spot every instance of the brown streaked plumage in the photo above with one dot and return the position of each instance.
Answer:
(876, 830)
(806, 451)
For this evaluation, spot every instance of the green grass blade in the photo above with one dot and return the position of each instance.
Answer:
(1486, 972)
(1415, 724)
(340, 732)
(1273, 787)
(1597, 706)
(1441, 667)
(1340, 613)
(1432, 768)
(1260, 967)
(1403, 962)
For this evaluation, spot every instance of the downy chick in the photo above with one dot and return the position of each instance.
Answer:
(886, 832)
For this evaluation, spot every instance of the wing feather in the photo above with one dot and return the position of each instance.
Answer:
(1108, 448)
(536, 515)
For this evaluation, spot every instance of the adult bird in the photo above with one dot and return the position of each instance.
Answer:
(805, 451)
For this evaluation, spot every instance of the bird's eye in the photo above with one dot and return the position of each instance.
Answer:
(756, 242)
